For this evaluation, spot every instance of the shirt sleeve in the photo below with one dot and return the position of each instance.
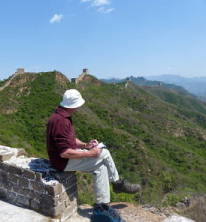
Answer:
(64, 136)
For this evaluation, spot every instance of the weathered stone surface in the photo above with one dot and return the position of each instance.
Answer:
(35, 205)
(22, 200)
(46, 200)
(69, 212)
(38, 176)
(14, 178)
(52, 211)
(21, 152)
(3, 178)
(35, 195)
(11, 196)
(23, 182)
(5, 156)
(54, 190)
(178, 218)
(37, 186)
(23, 191)
(29, 174)
(11, 169)
(47, 191)
(12, 213)
(3, 193)
(6, 153)
(65, 196)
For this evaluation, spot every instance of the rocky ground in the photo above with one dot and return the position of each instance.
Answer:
(128, 211)
(131, 213)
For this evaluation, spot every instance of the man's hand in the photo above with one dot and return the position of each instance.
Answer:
(95, 152)
(92, 144)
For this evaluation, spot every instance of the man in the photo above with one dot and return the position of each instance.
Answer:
(68, 153)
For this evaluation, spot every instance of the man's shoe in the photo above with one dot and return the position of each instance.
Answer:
(101, 206)
(123, 186)
(103, 212)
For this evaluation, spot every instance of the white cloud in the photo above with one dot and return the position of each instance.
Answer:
(97, 2)
(101, 2)
(101, 5)
(56, 18)
(105, 10)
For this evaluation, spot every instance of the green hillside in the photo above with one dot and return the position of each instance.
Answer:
(156, 136)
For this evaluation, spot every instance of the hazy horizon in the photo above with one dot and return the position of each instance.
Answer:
(113, 77)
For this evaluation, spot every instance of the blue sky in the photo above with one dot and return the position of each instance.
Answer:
(113, 38)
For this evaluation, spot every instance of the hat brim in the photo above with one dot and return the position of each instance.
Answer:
(73, 106)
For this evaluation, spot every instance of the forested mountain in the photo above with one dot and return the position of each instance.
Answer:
(156, 135)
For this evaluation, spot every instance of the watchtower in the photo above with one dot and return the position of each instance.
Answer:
(20, 71)
(85, 71)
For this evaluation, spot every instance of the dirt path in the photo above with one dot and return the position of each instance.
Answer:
(8, 82)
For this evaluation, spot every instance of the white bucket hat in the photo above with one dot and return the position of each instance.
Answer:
(72, 99)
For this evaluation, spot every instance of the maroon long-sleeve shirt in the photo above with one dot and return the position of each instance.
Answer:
(60, 137)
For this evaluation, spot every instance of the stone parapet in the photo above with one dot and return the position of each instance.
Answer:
(34, 184)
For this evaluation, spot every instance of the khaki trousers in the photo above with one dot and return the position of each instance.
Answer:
(103, 169)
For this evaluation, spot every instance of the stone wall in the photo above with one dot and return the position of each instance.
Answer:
(32, 183)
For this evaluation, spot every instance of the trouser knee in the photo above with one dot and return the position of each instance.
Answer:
(105, 153)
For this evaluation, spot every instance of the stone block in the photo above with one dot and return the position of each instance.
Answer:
(28, 174)
(23, 191)
(21, 152)
(3, 193)
(37, 186)
(46, 200)
(51, 211)
(2, 165)
(35, 205)
(16, 189)
(9, 185)
(38, 176)
(68, 213)
(10, 168)
(11, 196)
(14, 179)
(69, 196)
(67, 203)
(23, 182)
(35, 195)
(4, 179)
(54, 190)
(5, 156)
(15, 170)
(22, 200)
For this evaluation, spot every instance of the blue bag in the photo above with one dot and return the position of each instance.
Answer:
(105, 213)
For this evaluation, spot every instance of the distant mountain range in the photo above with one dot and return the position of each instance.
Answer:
(141, 81)
(195, 85)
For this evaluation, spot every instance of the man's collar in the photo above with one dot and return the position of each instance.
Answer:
(61, 111)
